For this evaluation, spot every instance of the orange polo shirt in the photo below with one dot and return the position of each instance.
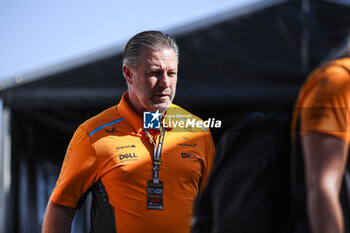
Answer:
(323, 104)
(111, 156)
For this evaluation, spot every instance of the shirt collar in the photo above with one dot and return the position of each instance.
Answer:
(129, 115)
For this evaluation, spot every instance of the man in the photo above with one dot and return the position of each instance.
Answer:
(141, 180)
(322, 121)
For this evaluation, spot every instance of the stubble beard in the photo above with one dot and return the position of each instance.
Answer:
(157, 106)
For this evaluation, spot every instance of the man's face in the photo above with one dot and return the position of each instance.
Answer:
(152, 84)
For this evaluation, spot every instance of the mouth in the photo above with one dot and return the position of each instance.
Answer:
(161, 96)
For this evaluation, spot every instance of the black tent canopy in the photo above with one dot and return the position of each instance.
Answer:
(258, 52)
(244, 58)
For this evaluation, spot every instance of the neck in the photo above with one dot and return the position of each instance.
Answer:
(137, 110)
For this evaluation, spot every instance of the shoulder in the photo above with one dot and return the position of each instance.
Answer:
(106, 118)
(179, 111)
(331, 79)
(181, 119)
(335, 73)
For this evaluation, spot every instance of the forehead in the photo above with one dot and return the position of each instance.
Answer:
(163, 57)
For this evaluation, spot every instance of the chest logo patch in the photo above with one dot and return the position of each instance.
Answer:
(125, 147)
(187, 144)
(185, 155)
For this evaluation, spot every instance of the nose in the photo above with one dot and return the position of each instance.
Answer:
(164, 80)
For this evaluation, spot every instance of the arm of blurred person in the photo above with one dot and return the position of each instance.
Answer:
(325, 159)
(58, 218)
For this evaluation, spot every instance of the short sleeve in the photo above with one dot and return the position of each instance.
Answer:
(325, 104)
(210, 153)
(79, 171)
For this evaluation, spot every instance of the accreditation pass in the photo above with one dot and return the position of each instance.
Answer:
(155, 195)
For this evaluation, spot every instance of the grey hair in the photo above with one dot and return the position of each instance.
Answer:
(155, 40)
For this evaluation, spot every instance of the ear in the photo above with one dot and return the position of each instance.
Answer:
(128, 74)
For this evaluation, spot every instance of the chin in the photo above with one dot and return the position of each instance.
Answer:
(162, 106)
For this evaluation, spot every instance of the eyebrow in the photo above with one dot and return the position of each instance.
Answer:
(157, 68)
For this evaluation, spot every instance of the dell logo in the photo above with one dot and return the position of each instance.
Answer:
(127, 156)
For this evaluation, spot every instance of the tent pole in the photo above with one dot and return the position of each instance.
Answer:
(305, 36)
(5, 164)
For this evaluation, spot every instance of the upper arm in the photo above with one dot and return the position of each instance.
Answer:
(58, 218)
(325, 159)
(79, 171)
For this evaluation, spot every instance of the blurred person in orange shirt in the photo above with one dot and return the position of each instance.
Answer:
(322, 122)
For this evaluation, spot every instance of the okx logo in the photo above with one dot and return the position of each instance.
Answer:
(151, 120)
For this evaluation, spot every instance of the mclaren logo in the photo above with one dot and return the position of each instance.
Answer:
(128, 156)
(111, 130)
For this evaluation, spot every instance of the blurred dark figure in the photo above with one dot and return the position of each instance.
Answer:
(258, 183)
(248, 189)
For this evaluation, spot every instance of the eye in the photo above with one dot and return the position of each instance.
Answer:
(171, 73)
(153, 73)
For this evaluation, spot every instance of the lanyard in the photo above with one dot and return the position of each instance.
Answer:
(156, 153)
